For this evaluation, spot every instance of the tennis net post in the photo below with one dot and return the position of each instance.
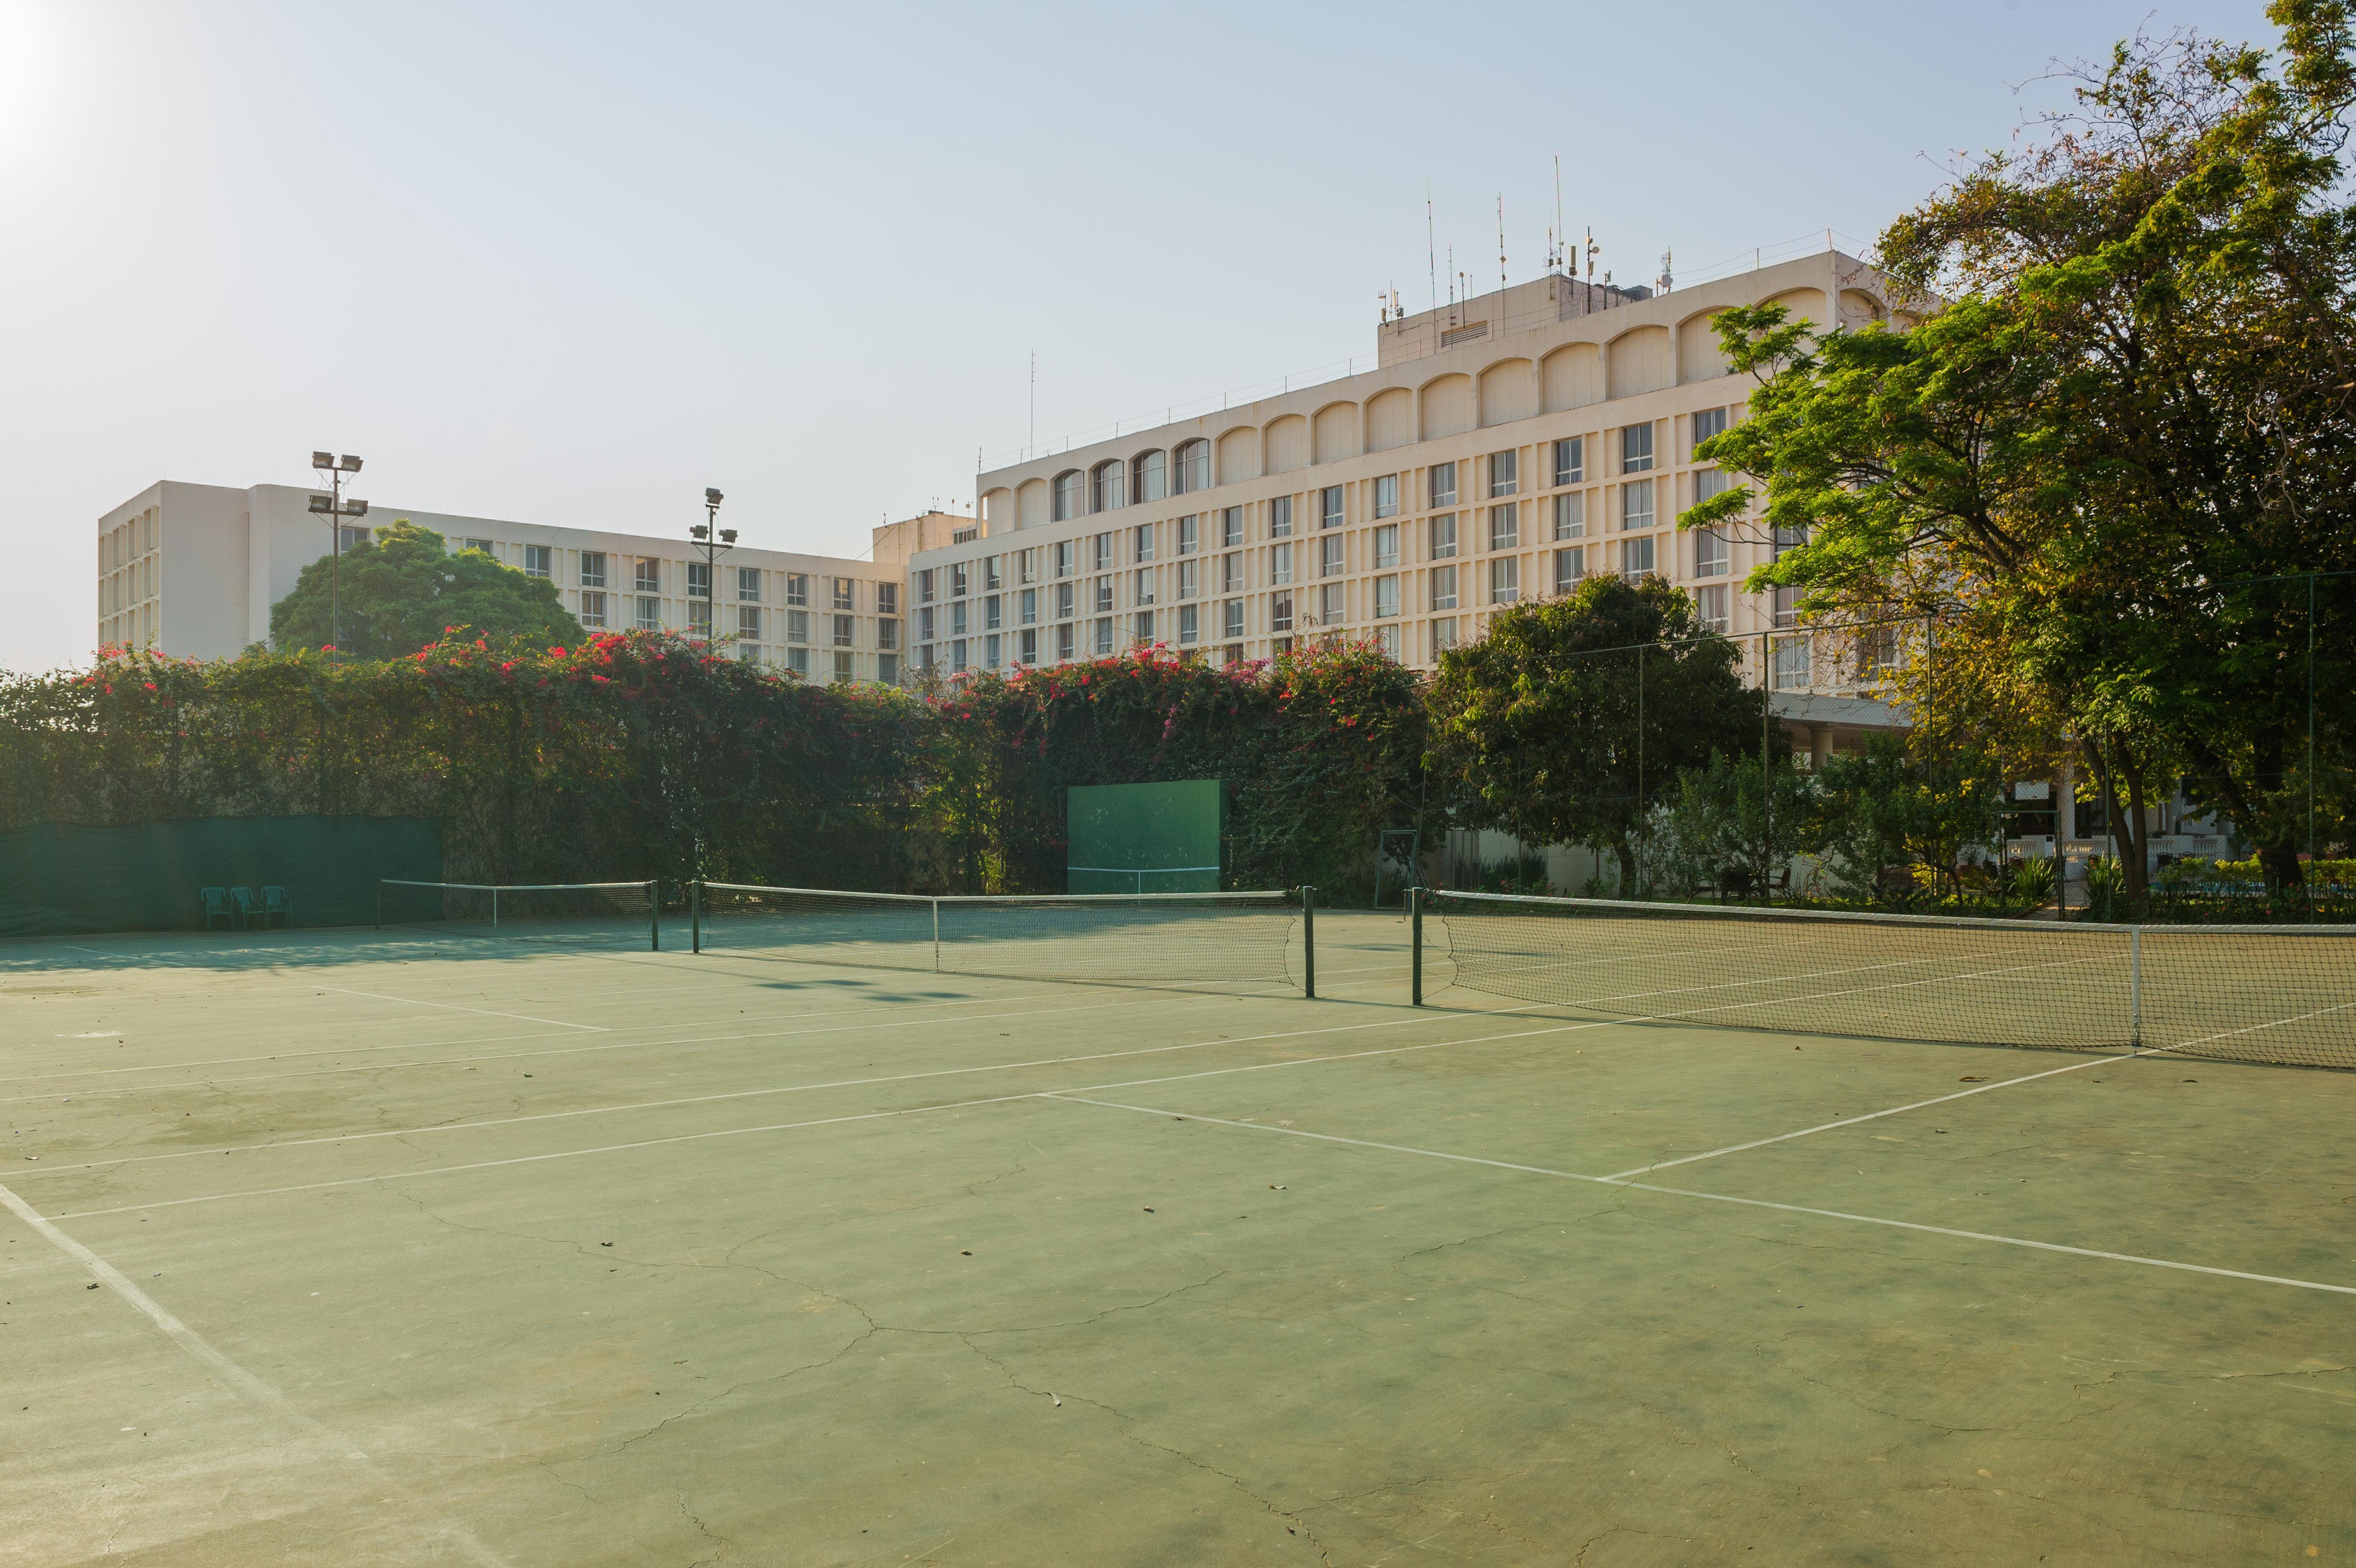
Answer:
(654, 915)
(1415, 947)
(1309, 942)
(695, 915)
(2134, 989)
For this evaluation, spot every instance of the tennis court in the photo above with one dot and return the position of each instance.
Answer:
(448, 1246)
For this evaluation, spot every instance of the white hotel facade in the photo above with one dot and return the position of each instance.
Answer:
(1500, 450)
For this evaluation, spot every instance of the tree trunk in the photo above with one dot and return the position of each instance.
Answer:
(1627, 852)
(2286, 877)
(2135, 857)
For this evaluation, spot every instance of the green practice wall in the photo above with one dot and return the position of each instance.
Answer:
(1147, 838)
(64, 879)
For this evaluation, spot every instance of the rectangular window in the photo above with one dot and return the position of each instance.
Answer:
(1711, 604)
(1280, 517)
(748, 622)
(1386, 596)
(1443, 537)
(1571, 460)
(646, 575)
(956, 580)
(923, 627)
(990, 649)
(1570, 566)
(1234, 609)
(1635, 505)
(1190, 579)
(1026, 565)
(841, 667)
(1504, 472)
(1707, 423)
(1030, 607)
(1443, 588)
(797, 661)
(1709, 553)
(747, 653)
(1189, 631)
(1328, 507)
(1103, 553)
(1064, 597)
(649, 614)
(1388, 639)
(1104, 594)
(844, 626)
(1386, 496)
(887, 598)
(593, 569)
(1027, 645)
(993, 611)
(1231, 573)
(798, 625)
(1065, 552)
(1708, 482)
(1144, 626)
(593, 610)
(1636, 449)
(1571, 516)
(1143, 541)
(486, 545)
(1331, 611)
(699, 579)
(536, 561)
(1190, 533)
(887, 632)
(1231, 527)
(990, 577)
(1329, 556)
(1444, 635)
(1789, 537)
(1636, 557)
(957, 656)
(1143, 590)
(1279, 563)
(1063, 642)
(1386, 546)
(957, 621)
(1504, 580)
(1280, 612)
(1442, 486)
(843, 599)
(887, 669)
(797, 587)
(1505, 526)
(1104, 636)
(748, 584)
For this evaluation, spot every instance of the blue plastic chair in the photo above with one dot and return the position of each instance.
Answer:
(217, 906)
(248, 907)
(276, 905)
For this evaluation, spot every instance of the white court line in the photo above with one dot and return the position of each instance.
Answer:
(456, 1008)
(2271, 1023)
(121, 1161)
(1870, 1116)
(229, 1371)
(1722, 1198)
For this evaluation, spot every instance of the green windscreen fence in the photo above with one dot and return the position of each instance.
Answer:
(1147, 838)
(66, 879)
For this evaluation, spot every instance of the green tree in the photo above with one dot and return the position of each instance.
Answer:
(1896, 808)
(1569, 720)
(2124, 440)
(405, 591)
(1735, 825)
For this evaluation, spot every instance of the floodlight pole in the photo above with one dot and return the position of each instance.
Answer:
(335, 509)
(712, 542)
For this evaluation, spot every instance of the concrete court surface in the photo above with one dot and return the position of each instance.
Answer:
(362, 1248)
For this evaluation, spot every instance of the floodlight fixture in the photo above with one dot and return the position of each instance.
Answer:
(324, 504)
(699, 530)
(323, 460)
(349, 464)
(356, 509)
(710, 497)
(728, 536)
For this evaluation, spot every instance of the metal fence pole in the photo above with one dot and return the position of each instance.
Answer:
(695, 915)
(2134, 989)
(937, 936)
(495, 909)
(654, 915)
(1415, 946)
(1309, 942)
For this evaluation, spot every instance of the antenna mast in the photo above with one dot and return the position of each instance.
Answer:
(1430, 246)
(1554, 257)
(1501, 239)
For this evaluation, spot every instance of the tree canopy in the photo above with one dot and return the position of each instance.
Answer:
(1571, 718)
(2120, 437)
(404, 590)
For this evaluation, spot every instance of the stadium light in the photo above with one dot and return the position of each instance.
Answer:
(335, 509)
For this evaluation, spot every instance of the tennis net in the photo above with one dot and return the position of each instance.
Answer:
(2268, 994)
(1120, 939)
(587, 914)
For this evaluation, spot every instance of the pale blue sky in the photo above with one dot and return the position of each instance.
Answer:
(574, 263)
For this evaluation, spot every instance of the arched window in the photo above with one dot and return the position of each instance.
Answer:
(1193, 466)
(1071, 495)
(1110, 482)
(1151, 474)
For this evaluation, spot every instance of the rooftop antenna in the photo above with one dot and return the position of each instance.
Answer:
(1554, 259)
(1591, 249)
(1452, 285)
(1430, 249)
(1668, 273)
(1501, 239)
(1034, 402)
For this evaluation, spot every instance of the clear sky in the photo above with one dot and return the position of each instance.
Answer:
(571, 262)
